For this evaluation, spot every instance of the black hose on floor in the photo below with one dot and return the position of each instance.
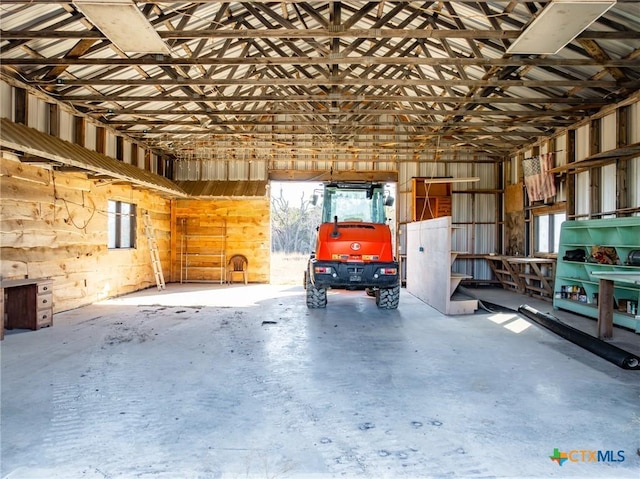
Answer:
(607, 351)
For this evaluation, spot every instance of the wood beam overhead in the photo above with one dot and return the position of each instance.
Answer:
(331, 33)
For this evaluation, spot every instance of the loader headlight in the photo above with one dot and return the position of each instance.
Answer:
(322, 269)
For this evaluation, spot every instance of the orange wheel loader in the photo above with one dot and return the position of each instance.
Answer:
(354, 248)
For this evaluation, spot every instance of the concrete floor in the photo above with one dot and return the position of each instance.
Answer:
(203, 381)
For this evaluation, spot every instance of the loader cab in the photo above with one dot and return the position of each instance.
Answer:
(355, 202)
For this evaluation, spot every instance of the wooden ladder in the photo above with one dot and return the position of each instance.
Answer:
(153, 249)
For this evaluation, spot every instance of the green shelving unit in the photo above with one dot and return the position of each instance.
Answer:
(576, 288)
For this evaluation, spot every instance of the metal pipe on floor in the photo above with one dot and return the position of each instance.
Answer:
(611, 353)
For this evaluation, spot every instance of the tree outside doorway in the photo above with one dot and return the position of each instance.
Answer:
(294, 219)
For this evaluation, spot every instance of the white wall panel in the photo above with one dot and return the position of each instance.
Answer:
(484, 208)
(140, 152)
(582, 190)
(406, 171)
(544, 148)
(462, 208)
(461, 241)
(205, 170)
(459, 170)
(608, 132)
(38, 114)
(432, 169)
(633, 168)
(404, 207)
(110, 146)
(634, 123)
(237, 171)
(186, 170)
(560, 150)
(90, 136)
(484, 240)
(258, 170)
(126, 153)
(487, 174)
(608, 136)
(633, 185)
(7, 101)
(582, 142)
(608, 188)
(67, 126)
(582, 193)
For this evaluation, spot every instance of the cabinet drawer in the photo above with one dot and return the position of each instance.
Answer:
(44, 301)
(44, 288)
(44, 318)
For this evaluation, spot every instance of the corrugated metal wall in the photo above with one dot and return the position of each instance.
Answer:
(39, 118)
(477, 217)
(583, 203)
(633, 168)
(558, 148)
(607, 173)
(608, 137)
(469, 209)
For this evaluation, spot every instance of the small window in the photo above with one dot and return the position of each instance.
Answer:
(547, 232)
(122, 225)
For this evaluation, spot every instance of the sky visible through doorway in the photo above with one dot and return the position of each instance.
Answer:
(293, 190)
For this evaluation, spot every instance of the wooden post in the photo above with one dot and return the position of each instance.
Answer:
(605, 309)
(174, 243)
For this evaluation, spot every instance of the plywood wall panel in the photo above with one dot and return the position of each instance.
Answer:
(247, 223)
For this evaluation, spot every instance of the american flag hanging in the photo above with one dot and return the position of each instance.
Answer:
(539, 182)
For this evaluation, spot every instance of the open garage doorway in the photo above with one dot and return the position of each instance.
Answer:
(294, 221)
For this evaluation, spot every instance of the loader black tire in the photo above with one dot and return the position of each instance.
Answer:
(316, 297)
(388, 298)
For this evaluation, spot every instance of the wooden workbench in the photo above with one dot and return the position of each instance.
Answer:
(605, 299)
(532, 276)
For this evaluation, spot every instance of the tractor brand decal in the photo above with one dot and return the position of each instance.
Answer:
(355, 246)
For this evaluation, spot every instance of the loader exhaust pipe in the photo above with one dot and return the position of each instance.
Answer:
(335, 233)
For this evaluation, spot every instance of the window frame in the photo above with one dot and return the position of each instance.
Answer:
(552, 239)
(116, 230)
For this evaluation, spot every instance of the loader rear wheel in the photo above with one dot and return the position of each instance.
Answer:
(316, 297)
(388, 298)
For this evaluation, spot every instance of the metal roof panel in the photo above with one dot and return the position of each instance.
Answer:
(32, 142)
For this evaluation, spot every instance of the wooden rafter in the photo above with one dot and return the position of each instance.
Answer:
(412, 73)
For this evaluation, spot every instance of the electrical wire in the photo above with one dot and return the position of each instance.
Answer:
(66, 205)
